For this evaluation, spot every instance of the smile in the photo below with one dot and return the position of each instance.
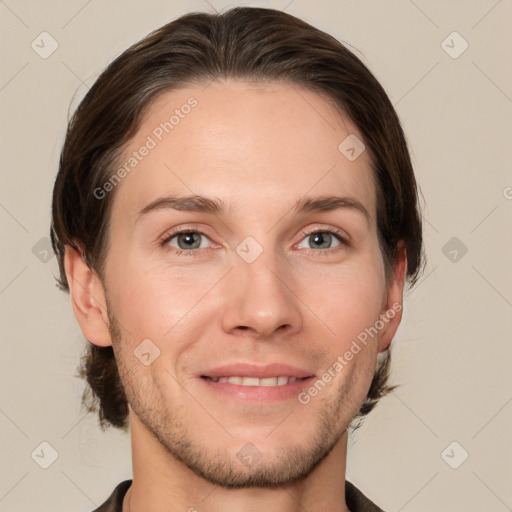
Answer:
(255, 381)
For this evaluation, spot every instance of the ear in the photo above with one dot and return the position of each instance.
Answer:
(391, 313)
(87, 298)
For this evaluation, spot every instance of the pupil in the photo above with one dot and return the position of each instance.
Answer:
(188, 238)
(322, 239)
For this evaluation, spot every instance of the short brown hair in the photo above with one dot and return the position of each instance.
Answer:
(245, 43)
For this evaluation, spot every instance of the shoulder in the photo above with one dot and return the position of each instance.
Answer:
(357, 501)
(114, 502)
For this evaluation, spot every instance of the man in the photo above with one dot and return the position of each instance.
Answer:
(235, 217)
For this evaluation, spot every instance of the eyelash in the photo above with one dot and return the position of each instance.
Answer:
(196, 252)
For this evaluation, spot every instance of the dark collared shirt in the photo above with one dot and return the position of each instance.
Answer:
(356, 500)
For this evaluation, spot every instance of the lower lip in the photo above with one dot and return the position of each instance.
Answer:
(259, 393)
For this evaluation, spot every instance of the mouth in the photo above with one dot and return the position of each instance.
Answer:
(250, 383)
(282, 380)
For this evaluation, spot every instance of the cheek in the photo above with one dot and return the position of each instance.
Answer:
(161, 301)
(348, 298)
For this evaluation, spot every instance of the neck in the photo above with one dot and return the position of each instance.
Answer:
(161, 483)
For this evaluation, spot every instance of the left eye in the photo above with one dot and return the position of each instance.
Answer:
(187, 240)
(321, 240)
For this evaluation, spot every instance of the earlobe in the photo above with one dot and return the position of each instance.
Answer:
(392, 312)
(87, 298)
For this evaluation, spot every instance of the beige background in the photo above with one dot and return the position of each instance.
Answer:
(452, 354)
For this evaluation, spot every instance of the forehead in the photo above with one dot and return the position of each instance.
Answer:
(248, 144)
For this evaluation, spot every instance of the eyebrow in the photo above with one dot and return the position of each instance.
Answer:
(195, 203)
(330, 203)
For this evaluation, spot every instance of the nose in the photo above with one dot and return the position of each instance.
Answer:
(259, 298)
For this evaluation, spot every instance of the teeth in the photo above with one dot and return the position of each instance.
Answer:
(255, 381)
(249, 381)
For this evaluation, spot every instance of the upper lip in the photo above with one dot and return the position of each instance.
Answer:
(250, 370)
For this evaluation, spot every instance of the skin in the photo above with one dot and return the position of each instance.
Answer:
(259, 149)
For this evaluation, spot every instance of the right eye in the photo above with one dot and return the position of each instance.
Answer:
(185, 240)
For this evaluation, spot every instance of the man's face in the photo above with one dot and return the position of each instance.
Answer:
(258, 283)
